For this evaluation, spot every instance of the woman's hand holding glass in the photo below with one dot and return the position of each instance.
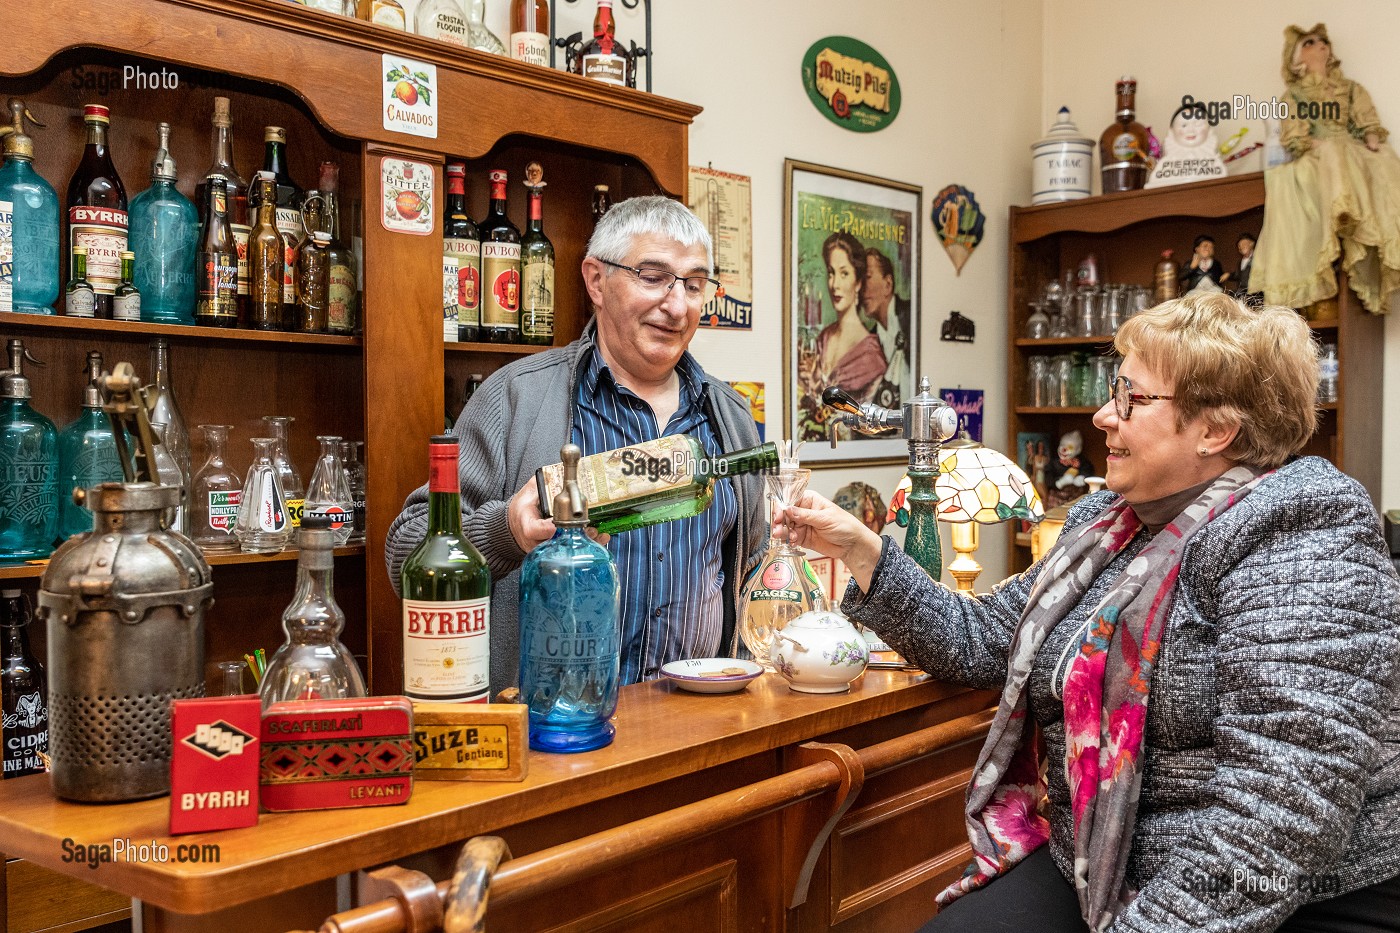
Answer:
(817, 523)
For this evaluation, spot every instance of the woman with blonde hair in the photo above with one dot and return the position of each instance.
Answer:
(1210, 653)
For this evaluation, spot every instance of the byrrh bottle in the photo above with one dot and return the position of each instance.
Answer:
(216, 303)
(603, 57)
(652, 482)
(266, 255)
(22, 693)
(97, 218)
(446, 589)
(461, 239)
(1123, 146)
(236, 191)
(500, 269)
(536, 277)
(529, 31)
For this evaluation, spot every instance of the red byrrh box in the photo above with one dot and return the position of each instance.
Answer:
(322, 754)
(214, 764)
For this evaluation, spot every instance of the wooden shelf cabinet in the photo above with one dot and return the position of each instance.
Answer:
(1126, 233)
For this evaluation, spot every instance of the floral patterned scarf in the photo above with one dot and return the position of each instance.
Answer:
(1105, 697)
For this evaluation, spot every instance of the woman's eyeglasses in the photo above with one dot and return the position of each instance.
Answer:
(1121, 388)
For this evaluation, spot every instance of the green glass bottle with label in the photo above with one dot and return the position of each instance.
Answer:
(652, 482)
(446, 588)
(28, 467)
(536, 277)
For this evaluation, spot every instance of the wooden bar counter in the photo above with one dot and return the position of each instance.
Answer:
(767, 831)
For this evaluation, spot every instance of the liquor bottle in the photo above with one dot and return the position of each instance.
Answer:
(79, 299)
(313, 664)
(288, 216)
(165, 239)
(478, 36)
(450, 269)
(462, 240)
(328, 493)
(313, 283)
(446, 589)
(22, 692)
(29, 228)
(126, 303)
(569, 624)
(97, 205)
(87, 454)
(536, 277)
(169, 473)
(342, 293)
(217, 302)
(358, 479)
(1123, 146)
(236, 191)
(529, 31)
(264, 525)
(29, 481)
(279, 427)
(166, 409)
(266, 255)
(602, 203)
(603, 58)
(215, 492)
(441, 19)
(651, 482)
(500, 269)
(383, 12)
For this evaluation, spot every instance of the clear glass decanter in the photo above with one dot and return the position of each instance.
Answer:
(784, 586)
(279, 427)
(358, 478)
(215, 493)
(263, 526)
(478, 36)
(313, 664)
(569, 625)
(328, 494)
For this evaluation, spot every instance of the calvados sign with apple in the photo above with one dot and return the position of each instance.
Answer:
(410, 96)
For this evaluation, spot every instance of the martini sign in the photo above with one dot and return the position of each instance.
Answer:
(851, 84)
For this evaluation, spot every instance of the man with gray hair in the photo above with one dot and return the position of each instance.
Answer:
(628, 379)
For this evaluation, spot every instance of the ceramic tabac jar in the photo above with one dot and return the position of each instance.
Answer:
(820, 652)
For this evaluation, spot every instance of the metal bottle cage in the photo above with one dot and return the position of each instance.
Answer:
(576, 40)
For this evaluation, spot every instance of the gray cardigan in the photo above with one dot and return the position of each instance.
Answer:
(1273, 730)
(516, 422)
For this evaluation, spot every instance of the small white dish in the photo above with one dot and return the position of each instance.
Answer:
(711, 675)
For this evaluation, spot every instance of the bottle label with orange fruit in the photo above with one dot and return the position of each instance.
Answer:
(406, 193)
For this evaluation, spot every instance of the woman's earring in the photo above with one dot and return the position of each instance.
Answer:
(1203, 452)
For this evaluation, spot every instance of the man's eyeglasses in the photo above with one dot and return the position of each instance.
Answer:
(1121, 388)
(655, 283)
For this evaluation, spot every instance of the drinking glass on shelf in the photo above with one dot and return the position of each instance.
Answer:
(1104, 369)
(1038, 324)
(1141, 301)
(229, 680)
(1083, 391)
(1038, 381)
(1087, 301)
(1115, 308)
(1062, 385)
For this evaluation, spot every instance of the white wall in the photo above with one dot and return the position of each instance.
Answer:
(1213, 51)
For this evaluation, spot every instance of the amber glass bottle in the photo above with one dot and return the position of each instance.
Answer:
(1123, 146)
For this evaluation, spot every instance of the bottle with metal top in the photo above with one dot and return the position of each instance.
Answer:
(87, 453)
(569, 625)
(28, 467)
(124, 606)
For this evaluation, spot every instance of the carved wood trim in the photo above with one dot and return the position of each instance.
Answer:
(723, 877)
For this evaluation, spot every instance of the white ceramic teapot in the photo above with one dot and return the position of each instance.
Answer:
(819, 652)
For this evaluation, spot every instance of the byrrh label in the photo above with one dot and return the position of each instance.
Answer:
(447, 649)
(500, 278)
(102, 230)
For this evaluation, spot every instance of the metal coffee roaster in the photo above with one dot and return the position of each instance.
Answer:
(124, 605)
(925, 421)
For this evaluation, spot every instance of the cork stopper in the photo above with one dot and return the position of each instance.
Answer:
(274, 134)
(221, 112)
(330, 178)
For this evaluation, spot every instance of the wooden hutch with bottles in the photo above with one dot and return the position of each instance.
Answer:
(793, 854)
(1127, 233)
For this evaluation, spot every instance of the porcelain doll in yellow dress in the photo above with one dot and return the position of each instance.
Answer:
(1339, 197)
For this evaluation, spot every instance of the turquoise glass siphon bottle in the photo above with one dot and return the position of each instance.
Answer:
(29, 235)
(28, 467)
(569, 629)
(87, 454)
(164, 233)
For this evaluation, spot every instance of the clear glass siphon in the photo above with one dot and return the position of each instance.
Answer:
(313, 664)
(263, 526)
(328, 493)
(87, 454)
(215, 493)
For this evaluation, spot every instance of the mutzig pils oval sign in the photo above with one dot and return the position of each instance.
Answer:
(851, 84)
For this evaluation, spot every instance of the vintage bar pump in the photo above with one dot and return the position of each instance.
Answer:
(926, 421)
(124, 606)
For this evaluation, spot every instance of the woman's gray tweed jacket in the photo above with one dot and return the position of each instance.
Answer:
(1272, 773)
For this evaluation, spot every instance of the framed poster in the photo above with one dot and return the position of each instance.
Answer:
(850, 305)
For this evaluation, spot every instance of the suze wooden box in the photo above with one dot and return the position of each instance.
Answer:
(323, 754)
(470, 741)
